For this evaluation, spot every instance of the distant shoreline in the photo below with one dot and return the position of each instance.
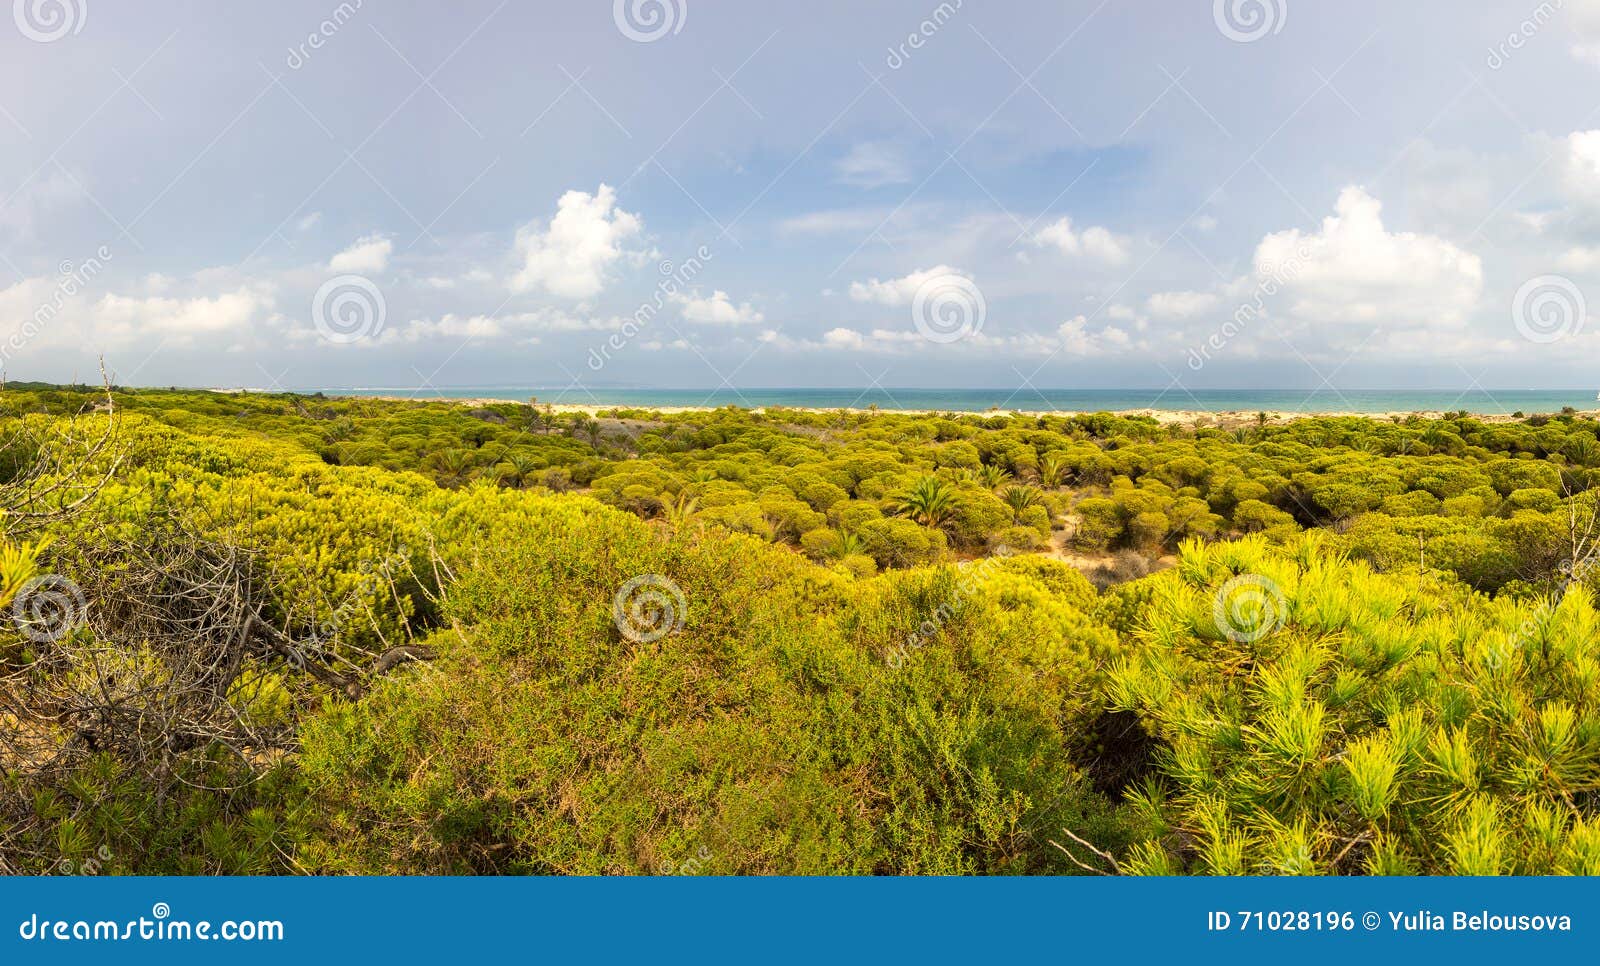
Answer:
(1187, 404)
(1187, 417)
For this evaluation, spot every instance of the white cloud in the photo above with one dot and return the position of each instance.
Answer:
(1093, 242)
(899, 291)
(1071, 338)
(1355, 271)
(1580, 259)
(838, 220)
(716, 310)
(368, 256)
(448, 325)
(308, 222)
(873, 164)
(1180, 305)
(521, 327)
(844, 339)
(1581, 168)
(572, 257)
(116, 317)
(1584, 21)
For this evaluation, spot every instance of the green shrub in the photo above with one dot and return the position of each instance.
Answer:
(894, 542)
(1380, 726)
(786, 727)
(1099, 524)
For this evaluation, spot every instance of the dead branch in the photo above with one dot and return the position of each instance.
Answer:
(1107, 857)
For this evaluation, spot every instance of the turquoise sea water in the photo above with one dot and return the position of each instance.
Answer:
(1487, 402)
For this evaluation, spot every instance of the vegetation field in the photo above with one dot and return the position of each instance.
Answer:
(252, 633)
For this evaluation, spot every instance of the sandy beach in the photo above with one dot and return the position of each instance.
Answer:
(1185, 417)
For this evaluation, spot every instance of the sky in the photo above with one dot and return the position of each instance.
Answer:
(710, 193)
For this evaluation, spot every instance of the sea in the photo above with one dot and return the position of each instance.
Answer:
(1481, 401)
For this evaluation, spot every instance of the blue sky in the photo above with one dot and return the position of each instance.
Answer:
(695, 193)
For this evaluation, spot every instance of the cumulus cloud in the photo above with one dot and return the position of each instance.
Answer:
(1071, 338)
(1580, 173)
(717, 309)
(447, 326)
(573, 255)
(116, 317)
(1093, 242)
(1355, 271)
(368, 256)
(523, 327)
(899, 291)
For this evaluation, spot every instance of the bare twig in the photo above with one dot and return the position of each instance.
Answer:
(1107, 857)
